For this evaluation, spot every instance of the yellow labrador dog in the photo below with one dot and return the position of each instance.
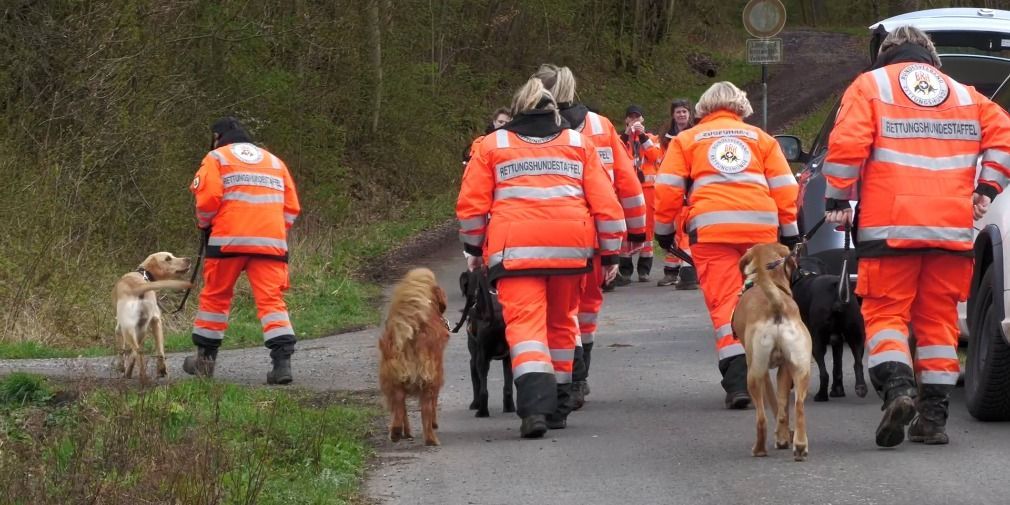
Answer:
(137, 310)
(768, 323)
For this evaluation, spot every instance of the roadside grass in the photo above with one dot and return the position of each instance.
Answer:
(327, 294)
(192, 442)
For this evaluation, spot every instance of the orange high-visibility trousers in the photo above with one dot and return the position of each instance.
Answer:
(590, 303)
(683, 243)
(719, 277)
(540, 327)
(268, 279)
(920, 291)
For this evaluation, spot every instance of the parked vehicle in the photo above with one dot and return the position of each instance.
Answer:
(974, 48)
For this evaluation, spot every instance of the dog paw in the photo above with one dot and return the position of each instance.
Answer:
(800, 453)
(821, 397)
(838, 392)
(482, 413)
(509, 407)
(861, 390)
(759, 452)
(431, 442)
(782, 445)
(473, 405)
(395, 434)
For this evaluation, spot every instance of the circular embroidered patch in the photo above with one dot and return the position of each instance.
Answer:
(729, 155)
(247, 152)
(196, 182)
(923, 85)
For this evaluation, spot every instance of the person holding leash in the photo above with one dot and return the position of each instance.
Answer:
(740, 192)
(905, 145)
(246, 202)
(535, 203)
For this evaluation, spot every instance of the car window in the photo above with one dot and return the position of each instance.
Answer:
(821, 142)
(1002, 96)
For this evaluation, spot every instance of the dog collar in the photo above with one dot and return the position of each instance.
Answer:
(775, 264)
(147, 275)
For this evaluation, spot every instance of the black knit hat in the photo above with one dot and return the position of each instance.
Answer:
(230, 131)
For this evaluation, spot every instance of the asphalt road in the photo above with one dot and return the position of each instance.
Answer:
(654, 430)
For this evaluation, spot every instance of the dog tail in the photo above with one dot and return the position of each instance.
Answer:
(156, 285)
(771, 291)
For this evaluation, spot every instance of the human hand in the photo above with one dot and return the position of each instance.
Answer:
(838, 217)
(474, 262)
(609, 273)
(979, 205)
(637, 128)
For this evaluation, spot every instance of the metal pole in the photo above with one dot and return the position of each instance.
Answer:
(764, 97)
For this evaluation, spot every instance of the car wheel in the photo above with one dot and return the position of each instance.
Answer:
(987, 374)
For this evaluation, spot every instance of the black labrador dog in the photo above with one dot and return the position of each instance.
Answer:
(832, 322)
(485, 332)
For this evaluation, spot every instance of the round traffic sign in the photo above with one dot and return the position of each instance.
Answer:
(764, 18)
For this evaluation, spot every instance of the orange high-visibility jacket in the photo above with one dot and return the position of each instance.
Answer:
(247, 197)
(550, 204)
(650, 154)
(739, 185)
(618, 164)
(905, 144)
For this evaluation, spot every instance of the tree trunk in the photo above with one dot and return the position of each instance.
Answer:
(373, 10)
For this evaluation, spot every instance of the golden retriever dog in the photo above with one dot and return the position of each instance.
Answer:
(768, 323)
(137, 311)
(411, 347)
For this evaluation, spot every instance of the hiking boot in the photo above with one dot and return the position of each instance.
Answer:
(687, 279)
(897, 414)
(737, 400)
(669, 278)
(202, 363)
(533, 426)
(625, 267)
(578, 394)
(557, 422)
(621, 280)
(281, 373)
(644, 267)
(926, 432)
(930, 425)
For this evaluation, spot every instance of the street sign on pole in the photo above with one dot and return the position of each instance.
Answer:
(764, 19)
(764, 51)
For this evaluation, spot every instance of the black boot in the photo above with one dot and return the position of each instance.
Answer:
(930, 425)
(533, 426)
(578, 378)
(587, 355)
(202, 363)
(896, 384)
(734, 381)
(688, 279)
(669, 276)
(644, 268)
(281, 357)
(626, 267)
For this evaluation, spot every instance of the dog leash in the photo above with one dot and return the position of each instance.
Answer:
(678, 252)
(205, 237)
(844, 290)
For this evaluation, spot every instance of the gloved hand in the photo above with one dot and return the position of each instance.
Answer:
(665, 241)
(474, 262)
(610, 273)
(790, 241)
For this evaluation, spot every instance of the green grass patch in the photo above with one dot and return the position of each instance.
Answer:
(20, 389)
(191, 442)
(28, 349)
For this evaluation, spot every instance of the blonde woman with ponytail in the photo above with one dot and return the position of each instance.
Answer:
(535, 204)
(610, 148)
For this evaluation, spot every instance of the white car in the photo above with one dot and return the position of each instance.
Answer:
(974, 47)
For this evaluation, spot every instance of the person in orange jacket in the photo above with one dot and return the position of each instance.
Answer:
(740, 192)
(643, 147)
(905, 145)
(499, 118)
(535, 205)
(245, 202)
(601, 132)
(676, 272)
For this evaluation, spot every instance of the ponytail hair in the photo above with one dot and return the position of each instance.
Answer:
(534, 96)
(558, 80)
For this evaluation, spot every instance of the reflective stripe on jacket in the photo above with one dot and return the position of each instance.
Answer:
(247, 197)
(621, 170)
(905, 144)
(650, 154)
(740, 189)
(538, 205)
